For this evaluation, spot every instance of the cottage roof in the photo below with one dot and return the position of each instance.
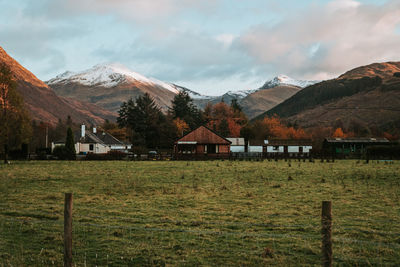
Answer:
(89, 138)
(358, 140)
(108, 139)
(236, 141)
(94, 138)
(289, 142)
(203, 135)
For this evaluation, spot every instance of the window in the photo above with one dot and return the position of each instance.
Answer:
(91, 147)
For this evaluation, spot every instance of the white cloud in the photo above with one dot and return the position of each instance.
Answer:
(348, 34)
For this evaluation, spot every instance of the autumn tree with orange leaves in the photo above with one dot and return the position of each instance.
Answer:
(273, 127)
(224, 119)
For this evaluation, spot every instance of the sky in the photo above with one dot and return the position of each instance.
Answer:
(209, 46)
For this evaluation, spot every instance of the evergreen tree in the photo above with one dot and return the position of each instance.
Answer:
(146, 121)
(14, 119)
(235, 106)
(70, 145)
(224, 128)
(184, 109)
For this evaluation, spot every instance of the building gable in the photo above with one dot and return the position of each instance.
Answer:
(203, 135)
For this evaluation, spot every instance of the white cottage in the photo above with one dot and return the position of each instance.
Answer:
(95, 142)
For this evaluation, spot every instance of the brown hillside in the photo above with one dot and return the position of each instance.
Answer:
(356, 97)
(112, 98)
(383, 70)
(44, 104)
(258, 102)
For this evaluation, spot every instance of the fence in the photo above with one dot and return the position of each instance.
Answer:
(107, 240)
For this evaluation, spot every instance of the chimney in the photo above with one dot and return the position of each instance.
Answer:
(83, 130)
(94, 130)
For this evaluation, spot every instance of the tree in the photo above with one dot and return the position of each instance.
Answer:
(339, 133)
(145, 120)
(14, 119)
(235, 106)
(70, 145)
(183, 108)
(224, 128)
(181, 127)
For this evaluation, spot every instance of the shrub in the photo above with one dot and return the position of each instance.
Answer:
(60, 152)
(111, 155)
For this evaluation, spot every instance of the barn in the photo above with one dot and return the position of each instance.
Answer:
(202, 143)
(352, 146)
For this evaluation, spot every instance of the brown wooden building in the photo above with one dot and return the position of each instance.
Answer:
(202, 143)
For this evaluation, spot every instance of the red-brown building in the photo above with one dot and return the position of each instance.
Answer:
(202, 143)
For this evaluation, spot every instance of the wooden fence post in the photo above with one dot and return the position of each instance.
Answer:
(68, 230)
(326, 220)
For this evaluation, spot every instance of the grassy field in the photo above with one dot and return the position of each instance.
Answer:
(199, 213)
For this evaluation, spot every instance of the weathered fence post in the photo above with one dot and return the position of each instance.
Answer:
(68, 230)
(326, 220)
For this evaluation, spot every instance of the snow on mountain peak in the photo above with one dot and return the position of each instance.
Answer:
(107, 75)
(286, 80)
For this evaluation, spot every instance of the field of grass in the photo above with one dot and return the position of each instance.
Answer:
(227, 213)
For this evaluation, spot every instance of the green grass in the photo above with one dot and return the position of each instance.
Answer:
(199, 213)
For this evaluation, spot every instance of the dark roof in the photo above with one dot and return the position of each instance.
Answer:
(89, 138)
(108, 139)
(204, 135)
(94, 138)
(289, 142)
(357, 140)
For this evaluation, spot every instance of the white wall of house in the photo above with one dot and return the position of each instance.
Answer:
(86, 148)
(291, 149)
(237, 149)
(255, 149)
(273, 149)
(120, 147)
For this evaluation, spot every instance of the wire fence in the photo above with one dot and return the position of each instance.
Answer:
(116, 240)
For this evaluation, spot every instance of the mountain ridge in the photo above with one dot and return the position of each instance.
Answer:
(42, 102)
(367, 95)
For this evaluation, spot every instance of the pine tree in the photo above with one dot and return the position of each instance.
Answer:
(70, 145)
(184, 109)
(224, 128)
(145, 119)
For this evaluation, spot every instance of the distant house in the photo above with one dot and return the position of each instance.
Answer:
(202, 143)
(237, 145)
(288, 147)
(347, 146)
(95, 142)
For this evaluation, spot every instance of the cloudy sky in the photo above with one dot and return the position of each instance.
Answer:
(209, 46)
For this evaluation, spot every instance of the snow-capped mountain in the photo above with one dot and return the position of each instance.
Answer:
(194, 95)
(108, 75)
(286, 80)
(109, 85)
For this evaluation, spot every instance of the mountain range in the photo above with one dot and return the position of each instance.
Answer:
(109, 85)
(43, 103)
(365, 96)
